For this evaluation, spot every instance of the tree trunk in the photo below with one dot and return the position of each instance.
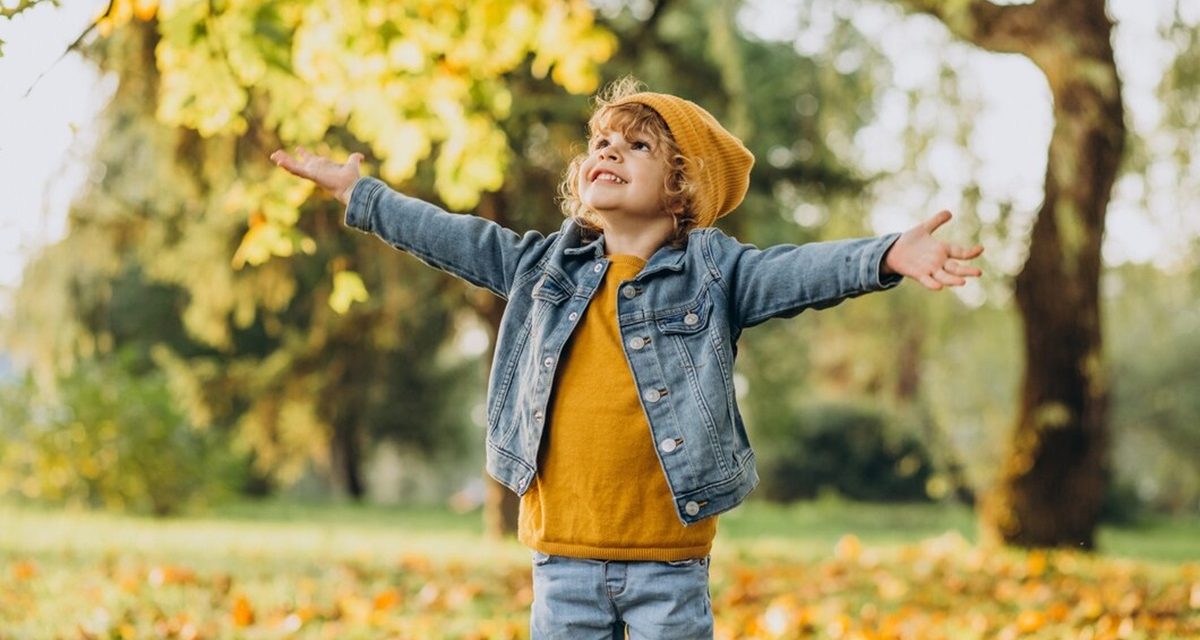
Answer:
(346, 457)
(1054, 477)
(500, 509)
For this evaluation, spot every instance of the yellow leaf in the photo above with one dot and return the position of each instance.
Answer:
(1035, 564)
(353, 608)
(24, 570)
(348, 288)
(1030, 621)
(243, 613)
(839, 626)
(1089, 608)
(848, 548)
(255, 248)
(145, 9)
(387, 599)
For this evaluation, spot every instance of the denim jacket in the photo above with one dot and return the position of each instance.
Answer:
(679, 320)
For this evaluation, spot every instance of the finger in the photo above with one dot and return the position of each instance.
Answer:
(963, 253)
(930, 283)
(948, 279)
(940, 218)
(355, 158)
(292, 165)
(281, 158)
(962, 269)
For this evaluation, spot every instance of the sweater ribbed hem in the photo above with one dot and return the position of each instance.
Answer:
(621, 554)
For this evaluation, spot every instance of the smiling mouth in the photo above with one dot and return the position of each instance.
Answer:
(608, 176)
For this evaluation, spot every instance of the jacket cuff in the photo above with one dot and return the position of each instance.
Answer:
(362, 196)
(873, 274)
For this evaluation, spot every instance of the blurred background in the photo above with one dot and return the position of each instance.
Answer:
(223, 414)
(186, 326)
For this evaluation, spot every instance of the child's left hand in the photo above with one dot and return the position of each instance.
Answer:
(918, 255)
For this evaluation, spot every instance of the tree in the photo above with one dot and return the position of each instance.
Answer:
(1054, 478)
(255, 351)
(10, 12)
(230, 82)
(113, 437)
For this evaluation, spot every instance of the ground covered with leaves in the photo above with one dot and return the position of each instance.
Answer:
(235, 581)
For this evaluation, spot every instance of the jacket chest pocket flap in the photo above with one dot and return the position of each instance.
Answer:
(692, 318)
(550, 289)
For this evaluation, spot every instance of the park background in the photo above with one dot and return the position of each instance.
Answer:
(222, 414)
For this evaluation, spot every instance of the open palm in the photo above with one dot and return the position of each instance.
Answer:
(933, 263)
(336, 178)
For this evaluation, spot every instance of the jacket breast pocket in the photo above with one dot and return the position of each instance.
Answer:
(548, 293)
(697, 338)
(550, 289)
(689, 319)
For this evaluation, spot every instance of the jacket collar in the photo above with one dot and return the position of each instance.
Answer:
(573, 236)
(666, 257)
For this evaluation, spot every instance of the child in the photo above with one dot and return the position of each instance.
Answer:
(611, 405)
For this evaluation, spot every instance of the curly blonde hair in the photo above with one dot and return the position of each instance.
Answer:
(630, 119)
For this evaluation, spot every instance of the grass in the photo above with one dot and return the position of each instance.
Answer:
(272, 568)
(280, 528)
(818, 525)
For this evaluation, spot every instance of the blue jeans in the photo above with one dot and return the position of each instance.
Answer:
(577, 599)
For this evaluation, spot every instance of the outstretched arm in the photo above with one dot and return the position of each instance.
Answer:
(933, 263)
(477, 250)
(785, 279)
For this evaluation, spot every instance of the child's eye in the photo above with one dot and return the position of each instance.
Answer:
(599, 143)
(639, 145)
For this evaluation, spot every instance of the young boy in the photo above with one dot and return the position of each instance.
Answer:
(611, 405)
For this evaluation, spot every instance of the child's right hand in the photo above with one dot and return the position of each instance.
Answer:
(337, 179)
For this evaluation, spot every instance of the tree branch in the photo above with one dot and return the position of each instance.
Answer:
(1000, 28)
(72, 47)
(23, 5)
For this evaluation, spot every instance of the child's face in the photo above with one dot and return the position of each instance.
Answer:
(623, 178)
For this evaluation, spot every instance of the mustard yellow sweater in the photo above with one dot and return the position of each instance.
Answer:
(600, 491)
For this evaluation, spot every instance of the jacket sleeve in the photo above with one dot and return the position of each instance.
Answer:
(475, 249)
(783, 280)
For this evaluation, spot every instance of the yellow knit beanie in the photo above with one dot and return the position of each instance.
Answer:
(718, 163)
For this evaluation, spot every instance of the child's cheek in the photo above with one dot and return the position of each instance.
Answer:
(581, 180)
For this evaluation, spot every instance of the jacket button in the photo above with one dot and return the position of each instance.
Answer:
(636, 343)
(548, 361)
(668, 445)
(628, 291)
(691, 508)
(572, 316)
(652, 395)
(691, 319)
(598, 268)
(537, 415)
